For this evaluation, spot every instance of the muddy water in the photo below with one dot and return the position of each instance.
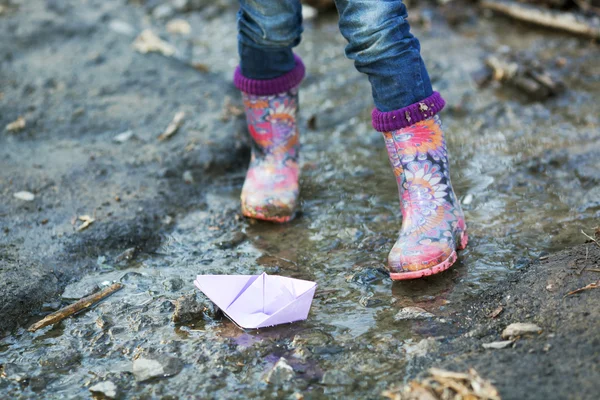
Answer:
(524, 172)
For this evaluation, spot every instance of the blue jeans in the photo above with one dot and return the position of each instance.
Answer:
(379, 42)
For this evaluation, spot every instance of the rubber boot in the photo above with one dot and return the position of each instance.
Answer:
(433, 223)
(270, 191)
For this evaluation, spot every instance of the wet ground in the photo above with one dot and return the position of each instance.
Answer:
(527, 174)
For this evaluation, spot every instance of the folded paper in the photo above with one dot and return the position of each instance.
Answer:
(257, 301)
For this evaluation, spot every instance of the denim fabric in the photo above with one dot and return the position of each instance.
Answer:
(268, 29)
(379, 42)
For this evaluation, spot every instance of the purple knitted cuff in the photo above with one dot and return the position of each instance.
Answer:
(266, 87)
(407, 116)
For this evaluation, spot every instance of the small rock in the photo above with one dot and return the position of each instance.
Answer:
(420, 349)
(123, 137)
(173, 284)
(121, 27)
(25, 196)
(163, 11)
(179, 26)
(408, 313)
(520, 328)
(188, 177)
(336, 378)
(281, 373)
(13, 372)
(127, 255)
(78, 290)
(498, 345)
(308, 12)
(230, 240)
(107, 389)
(156, 366)
(189, 310)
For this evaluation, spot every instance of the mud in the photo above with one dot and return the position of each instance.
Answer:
(527, 174)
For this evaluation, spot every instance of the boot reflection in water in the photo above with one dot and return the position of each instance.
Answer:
(406, 112)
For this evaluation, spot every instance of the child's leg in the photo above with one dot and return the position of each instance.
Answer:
(268, 76)
(382, 47)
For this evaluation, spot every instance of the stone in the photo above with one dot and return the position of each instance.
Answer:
(173, 284)
(230, 240)
(107, 389)
(519, 329)
(156, 366)
(408, 313)
(189, 309)
(80, 289)
(163, 11)
(498, 345)
(281, 373)
(421, 348)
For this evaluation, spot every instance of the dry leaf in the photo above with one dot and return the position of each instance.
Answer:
(148, 42)
(87, 221)
(16, 125)
(201, 67)
(179, 26)
(173, 126)
(446, 385)
(496, 312)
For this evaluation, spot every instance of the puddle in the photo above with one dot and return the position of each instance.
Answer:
(516, 167)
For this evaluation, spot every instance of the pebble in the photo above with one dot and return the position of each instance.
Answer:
(108, 389)
(230, 240)
(25, 196)
(122, 28)
(188, 309)
(78, 290)
(520, 328)
(498, 345)
(123, 137)
(281, 373)
(163, 11)
(156, 366)
(408, 313)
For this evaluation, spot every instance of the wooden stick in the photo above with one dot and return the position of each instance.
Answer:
(71, 309)
(565, 21)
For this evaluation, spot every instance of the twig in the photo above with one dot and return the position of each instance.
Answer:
(559, 20)
(593, 285)
(591, 238)
(71, 309)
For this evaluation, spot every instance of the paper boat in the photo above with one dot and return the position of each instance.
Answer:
(257, 301)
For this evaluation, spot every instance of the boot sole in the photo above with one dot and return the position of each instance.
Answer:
(444, 265)
(279, 220)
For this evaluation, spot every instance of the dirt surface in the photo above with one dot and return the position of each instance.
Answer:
(78, 84)
(527, 172)
(561, 362)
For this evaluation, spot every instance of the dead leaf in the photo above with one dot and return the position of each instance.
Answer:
(446, 385)
(87, 221)
(16, 125)
(201, 67)
(148, 42)
(230, 110)
(593, 285)
(173, 126)
(179, 26)
(496, 312)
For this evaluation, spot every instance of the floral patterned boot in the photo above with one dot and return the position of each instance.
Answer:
(433, 224)
(270, 191)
